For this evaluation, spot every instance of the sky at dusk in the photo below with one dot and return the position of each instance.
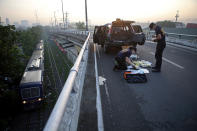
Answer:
(99, 11)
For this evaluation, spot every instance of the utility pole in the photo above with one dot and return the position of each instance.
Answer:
(177, 15)
(55, 19)
(36, 15)
(86, 15)
(63, 14)
(52, 24)
(0, 20)
(66, 19)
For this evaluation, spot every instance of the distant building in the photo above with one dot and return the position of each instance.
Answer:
(35, 24)
(179, 25)
(7, 21)
(16, 24)
(1, 23)
(191, 25)
(24, 23)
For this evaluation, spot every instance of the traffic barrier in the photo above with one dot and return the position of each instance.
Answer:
(65, 113)
(180, 39)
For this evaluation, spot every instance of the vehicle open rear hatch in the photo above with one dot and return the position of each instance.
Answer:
(121, 30)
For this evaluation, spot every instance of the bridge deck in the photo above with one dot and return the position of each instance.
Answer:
(167, 101)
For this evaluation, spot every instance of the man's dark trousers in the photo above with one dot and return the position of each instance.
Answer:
(121, 63)
(158, 54)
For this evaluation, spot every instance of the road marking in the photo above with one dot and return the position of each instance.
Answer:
(177, 65)
(107, 92)
(102, 81)
(98, 98)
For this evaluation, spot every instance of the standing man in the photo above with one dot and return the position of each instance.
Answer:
(161, 44)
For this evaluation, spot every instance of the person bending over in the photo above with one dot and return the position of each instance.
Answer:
(122, 59)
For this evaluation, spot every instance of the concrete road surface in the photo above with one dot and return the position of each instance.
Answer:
(167, 102)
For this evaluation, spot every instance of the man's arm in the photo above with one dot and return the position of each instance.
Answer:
(159, 32)
(158, 37)
(130, 62)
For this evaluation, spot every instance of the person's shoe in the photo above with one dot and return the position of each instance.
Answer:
(156, 70)
(154, 67)
(115, 68)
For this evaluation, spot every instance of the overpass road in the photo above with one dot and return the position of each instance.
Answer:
(168, 101)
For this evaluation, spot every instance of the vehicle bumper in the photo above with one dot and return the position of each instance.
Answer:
(116, 43)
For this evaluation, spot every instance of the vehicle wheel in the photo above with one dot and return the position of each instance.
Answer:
(105, 48)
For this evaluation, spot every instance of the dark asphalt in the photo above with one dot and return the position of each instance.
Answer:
(168, 101)
(88, 113)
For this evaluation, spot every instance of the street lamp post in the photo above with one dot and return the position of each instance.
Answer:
(86, 15)
(63, 14)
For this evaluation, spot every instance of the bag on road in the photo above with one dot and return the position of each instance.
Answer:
(135, 76)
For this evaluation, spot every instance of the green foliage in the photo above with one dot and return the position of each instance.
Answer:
(166, 23)
(11, 66)
(10, 55)
(13, 60)
(29, 38)
(80, 25)
(16, 48)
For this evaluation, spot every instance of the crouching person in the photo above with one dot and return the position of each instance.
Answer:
(123, 59)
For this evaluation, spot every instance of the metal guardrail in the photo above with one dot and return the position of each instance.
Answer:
(194, 36)
(181, 39)
(57, 114)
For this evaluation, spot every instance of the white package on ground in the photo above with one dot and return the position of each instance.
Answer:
(145, 64)
(142, 63)
(137, 71)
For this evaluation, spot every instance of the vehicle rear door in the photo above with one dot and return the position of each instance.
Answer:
(118, 33)
(121, 32)
(95, 35)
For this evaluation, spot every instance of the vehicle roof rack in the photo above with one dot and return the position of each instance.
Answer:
(119, 22)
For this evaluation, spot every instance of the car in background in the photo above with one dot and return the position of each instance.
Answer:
(118, 33)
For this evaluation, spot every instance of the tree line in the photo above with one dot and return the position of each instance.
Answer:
(16, 47)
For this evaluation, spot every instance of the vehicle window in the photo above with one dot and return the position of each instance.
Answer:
(30, 92)
(137, 28)
(102, 29)
(99, 30)
(117, 29)
(132, 29)
(26, 93)
(126, 28)
(35, 92)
